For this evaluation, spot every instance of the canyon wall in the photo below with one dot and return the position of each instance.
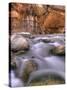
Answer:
(36, 19)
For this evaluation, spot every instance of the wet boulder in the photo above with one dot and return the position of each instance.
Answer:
(46, 40)
(46, 77)
(59, 50)
(24, 67)
(19, 43)
(30, 66)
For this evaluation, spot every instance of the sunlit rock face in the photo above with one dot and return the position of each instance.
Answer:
(37, 18)
(39, 10)
(54, 22)
(57, 7)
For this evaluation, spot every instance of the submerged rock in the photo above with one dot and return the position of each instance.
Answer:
(18, 42)
(46, 40)
(30, 66)
(50, 80)
(24, 67)
(59, 50)
(46, 77)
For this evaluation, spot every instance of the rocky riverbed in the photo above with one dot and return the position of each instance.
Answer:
(34, 56)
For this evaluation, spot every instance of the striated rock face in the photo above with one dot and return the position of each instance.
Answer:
(18, 42)
(57, 7)
(37, 19)
(18, 7)
(15, 20)
(39, 10)
(54, 22)
(16, 15)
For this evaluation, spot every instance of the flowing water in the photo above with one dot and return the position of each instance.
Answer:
(39, 51)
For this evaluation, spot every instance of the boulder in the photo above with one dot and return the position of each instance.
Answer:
(59, 50)
(18, 43)
(30, 66)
